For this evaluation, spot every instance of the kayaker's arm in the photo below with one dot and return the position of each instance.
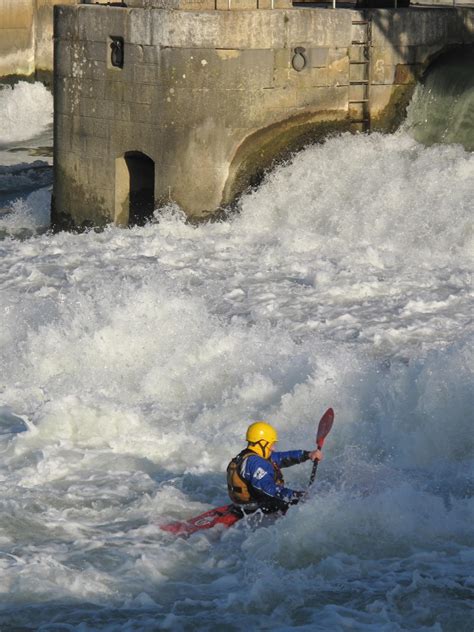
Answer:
(260, 476)
(293, 457)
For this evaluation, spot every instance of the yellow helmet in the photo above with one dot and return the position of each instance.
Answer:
(261, 435)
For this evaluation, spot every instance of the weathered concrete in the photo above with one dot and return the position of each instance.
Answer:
(26, 37)
(213, 97)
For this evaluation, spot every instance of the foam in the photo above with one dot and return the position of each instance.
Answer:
(27, 111)
(134, 360)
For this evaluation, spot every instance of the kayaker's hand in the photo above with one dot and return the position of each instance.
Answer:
(297, 497)
(316, 455)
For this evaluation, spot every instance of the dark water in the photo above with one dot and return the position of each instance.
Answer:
(442, 110)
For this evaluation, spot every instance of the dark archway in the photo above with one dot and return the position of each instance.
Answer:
(134, 189)
(442, 110)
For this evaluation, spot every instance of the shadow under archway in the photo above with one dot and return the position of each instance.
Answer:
(134, 189)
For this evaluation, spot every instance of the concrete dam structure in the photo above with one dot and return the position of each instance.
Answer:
(26, 34)
(189, 101)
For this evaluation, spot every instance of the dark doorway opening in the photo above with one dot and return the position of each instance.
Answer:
(141, 196)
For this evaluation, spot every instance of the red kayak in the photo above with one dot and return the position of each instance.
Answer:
(228, 515)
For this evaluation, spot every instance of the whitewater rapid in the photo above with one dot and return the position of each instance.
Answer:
(133, 360)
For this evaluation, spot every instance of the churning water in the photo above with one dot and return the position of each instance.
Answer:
(133, 360)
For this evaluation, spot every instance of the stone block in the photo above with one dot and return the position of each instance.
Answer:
(122, 111)
(65, 24)
(281, 58)
(196, 5)
(79, 144)
(322, 28)
(97, 147)
(221, 68)
(338, 71)
(142, 113)
(249, 109)
(91, 126)
(252, 29)
(138, 28)
(243, 5)
(338, 53)
(380, 96)
(62, 59)
(309, 77)
(318, 57)
(144, 93)
(151, 55)
(146, 73)
(95, 23)
(396, 55)
(134, 54)
(93, 88)
(247, 69)
(282, 4)
(96, 51)
(115, 90)
(280, 97)
(89, 107)
(98, 70)
(323, 99)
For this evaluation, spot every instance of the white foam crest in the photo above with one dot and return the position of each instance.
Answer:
(354, 195)
(27, 216)
(390, 522)
(27, 111)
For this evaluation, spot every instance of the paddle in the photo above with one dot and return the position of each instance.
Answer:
(324, 427)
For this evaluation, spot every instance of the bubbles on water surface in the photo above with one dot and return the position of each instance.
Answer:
(135, 359)
(27, 111)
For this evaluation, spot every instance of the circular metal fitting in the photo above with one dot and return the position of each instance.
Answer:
(299, 60)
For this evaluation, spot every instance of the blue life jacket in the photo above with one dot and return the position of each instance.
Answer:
(253, 479)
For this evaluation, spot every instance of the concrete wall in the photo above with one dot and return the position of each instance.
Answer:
(213, 97)
(26, 32)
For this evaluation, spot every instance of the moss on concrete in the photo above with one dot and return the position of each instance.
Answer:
(265, 148)
(391, 117)
(92, 209)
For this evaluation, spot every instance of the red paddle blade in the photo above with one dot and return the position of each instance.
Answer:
(325, 425)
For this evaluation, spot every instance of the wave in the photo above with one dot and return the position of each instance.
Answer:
(27, 111)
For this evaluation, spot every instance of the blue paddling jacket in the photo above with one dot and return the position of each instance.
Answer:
(257, 482)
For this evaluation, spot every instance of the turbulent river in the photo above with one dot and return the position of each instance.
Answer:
(132, 362)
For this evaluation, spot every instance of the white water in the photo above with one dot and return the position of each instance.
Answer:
(25, 112)
(133, 360)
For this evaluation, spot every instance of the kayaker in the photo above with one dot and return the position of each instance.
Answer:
(254, 478)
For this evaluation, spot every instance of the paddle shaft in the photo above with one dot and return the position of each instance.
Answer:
(314, 470)
(324, 427)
